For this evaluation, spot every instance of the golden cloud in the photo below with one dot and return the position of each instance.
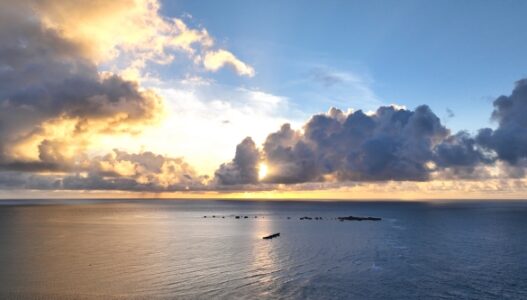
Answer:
(215, 60)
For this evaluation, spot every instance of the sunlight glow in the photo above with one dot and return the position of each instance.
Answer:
(262, 171)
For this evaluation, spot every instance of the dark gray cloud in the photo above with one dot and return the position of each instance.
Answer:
(31, 166)
(243, 169)
(509, 139)
(28, 181)
(392, 144)
(399, 145)
(460, 150)
(292, 160)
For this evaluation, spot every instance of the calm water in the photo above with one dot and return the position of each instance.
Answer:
(166, 249)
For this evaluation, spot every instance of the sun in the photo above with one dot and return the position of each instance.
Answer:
(262, 171)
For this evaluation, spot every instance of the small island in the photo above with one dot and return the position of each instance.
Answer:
(353, 218)
(348, 218)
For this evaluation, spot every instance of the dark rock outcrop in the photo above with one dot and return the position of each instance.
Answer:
(353, 218)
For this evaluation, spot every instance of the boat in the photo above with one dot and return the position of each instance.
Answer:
(272, 236)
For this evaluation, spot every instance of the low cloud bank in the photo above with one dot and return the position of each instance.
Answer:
(333, 149)
(55, 102)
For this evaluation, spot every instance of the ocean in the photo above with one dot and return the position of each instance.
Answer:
(168, 249)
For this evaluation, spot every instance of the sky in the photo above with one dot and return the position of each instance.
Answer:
(447, 54)
(263, 99)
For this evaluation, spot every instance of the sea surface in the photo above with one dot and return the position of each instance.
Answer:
(166, 249)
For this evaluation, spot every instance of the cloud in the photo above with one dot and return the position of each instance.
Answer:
(56, 103)
(124, 27)
(450, 113)
(329, 78)
(214, 60)
(195, 123)
(28, 181)
(144, 171)
(52, 98)
(291, 159)
(397, 144)
(243, 169)
(117, 170)
(391, 144)
(460, 150)
(69, 80)
(509, 139)
(126, 35)
(333, 150)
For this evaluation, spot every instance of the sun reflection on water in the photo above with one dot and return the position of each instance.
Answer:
(265, 262)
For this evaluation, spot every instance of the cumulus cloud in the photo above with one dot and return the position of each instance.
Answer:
(397, 144)
(291, 159)
(509, 139)
(243, 169)
(52, 97)
(461, 150)
(214, 60)
(391, 144)
(130, 33)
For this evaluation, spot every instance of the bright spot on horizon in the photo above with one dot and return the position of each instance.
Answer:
(262, 171)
